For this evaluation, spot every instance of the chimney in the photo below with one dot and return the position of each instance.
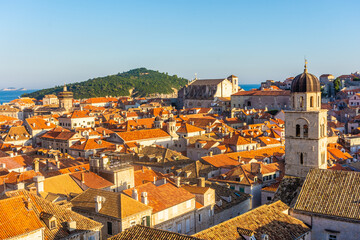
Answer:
(47, 164)
(20, 185)
(36, 165)
(255, 167)
(71, 225)
(82, 177)
(154, 179)
(28, 204)
(56, 157)
(178, 181)
(135, 195)
(210, 153)
(201, 182)
(144, 198)
(3, 165)
(99, 200)
(239, 159)
(39, 184)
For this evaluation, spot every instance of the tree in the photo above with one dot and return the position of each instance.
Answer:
(337, 85)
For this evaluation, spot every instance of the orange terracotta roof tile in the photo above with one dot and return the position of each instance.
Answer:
(36, 123)
(163, 196)
(230, 160)
(16, 219)
(91, 180)
(90, 143)
(187, 128)
(146, 175)
(142, 134)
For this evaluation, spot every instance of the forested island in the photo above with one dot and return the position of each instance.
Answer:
(140, 82)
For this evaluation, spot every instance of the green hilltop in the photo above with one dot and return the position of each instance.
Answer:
(139, 82)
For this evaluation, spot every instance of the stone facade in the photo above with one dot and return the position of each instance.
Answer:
(276, 99)
(203, 93)
(305, 133)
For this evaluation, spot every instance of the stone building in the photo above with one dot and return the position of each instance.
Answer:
(174, 208)
(329, 204)
(305, 131)
(261, 99)
(115, 168)
(203, 93)
(33, 217)
(50, 100)
(115, 211)
(66, 99)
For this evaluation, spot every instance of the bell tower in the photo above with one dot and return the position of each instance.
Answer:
(305, 130)
(66, 99)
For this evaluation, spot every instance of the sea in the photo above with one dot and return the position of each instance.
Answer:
(248, 87)
(7, 96)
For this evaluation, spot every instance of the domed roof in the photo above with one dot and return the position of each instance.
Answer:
(305, 82)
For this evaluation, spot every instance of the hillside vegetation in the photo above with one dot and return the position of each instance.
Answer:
(139, 82)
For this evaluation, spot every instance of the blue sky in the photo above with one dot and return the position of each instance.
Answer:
(47, 43)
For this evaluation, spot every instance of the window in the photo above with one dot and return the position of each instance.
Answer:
(109, 228)
(311, 101)
(143, 221)
(306, 131)
(301, 158)
(91, 238)
(132, 223)
(199, 217)
(297, 130)
(301, 102)
(148, 221)
(241, 189)
(53, 224)
(268, 198)
(332, 237)
(187, 225)
(179, 228)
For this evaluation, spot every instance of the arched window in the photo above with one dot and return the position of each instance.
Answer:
(311, 101)
(297, 130)
(293, 102)
(301, 102)
(301, 158)
(306, 130)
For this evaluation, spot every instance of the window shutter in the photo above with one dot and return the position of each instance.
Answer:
(148, 221)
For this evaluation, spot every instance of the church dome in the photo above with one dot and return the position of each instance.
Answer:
(305, 82)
